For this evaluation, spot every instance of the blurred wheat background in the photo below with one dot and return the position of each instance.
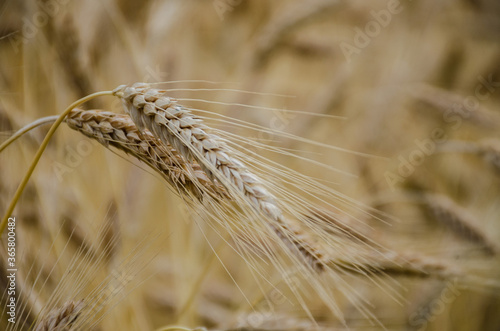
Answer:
(416, 87)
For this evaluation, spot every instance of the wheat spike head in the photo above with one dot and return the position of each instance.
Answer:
(60, 318)
(175, 125)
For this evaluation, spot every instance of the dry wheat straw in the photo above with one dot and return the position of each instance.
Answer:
(61, 318)
(175, 125)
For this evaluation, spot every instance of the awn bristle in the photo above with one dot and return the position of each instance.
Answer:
(175, 125)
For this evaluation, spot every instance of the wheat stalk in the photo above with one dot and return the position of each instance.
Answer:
(175, 125)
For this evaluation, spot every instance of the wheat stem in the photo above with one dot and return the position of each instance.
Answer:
(27, 128)
(39, 153)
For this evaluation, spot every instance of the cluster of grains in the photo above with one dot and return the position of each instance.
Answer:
(61, 318)
(119, 131)
(175, 125)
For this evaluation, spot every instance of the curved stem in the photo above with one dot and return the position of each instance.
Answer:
(27, 128)
(39, 153)
(174, 328)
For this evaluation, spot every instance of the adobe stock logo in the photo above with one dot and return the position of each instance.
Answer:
(372, 29)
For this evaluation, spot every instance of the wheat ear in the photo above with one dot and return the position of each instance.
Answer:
(60, 318)
(175, 125)
(392, 263)
(460, 221)
(119, 131)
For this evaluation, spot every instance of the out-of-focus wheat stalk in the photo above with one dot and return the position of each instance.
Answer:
(459, 220)
(287, 21)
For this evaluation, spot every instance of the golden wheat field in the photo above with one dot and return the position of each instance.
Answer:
(250, 165)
